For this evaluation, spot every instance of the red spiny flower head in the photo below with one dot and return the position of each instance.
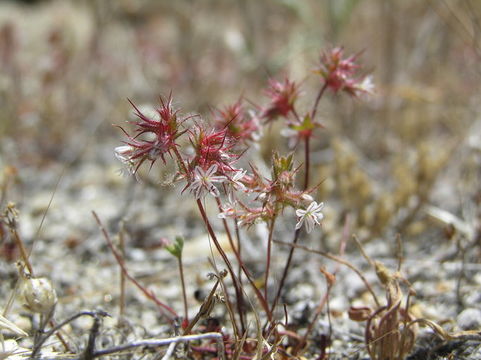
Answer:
(239, 124)
(153, 138)
(213, 147)
(339, 73)
(283, 96)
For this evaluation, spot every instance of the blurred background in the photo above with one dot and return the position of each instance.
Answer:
(405, 160)
(68, 68)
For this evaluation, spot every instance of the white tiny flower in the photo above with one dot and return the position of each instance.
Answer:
(203, 180)
(292, 136)
(123, 153)
(366, 85)
(228, 209)
(236, 180)
(311, 216)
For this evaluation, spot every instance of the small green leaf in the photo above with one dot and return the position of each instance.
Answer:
(176, 248)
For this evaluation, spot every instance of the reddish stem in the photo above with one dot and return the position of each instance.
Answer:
(318, 98)
(268, 262)
(240, 298)
(223, 255)
(286, 270)
(307, 162)
(306, 184)
(261, 298)
(149, 294)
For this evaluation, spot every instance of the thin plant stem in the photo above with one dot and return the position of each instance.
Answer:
(306, 162)
(268, 260)
(184, 296)
(222, 253)
(296, 115)
(56, 328)
(240, 300)
(23, 251)
(285, 271)
(239, 249)
(154, 343)
(306, 184)
(242, 267)
(205, 308)
(324, 301)
(148, 293)
(316, 102)
(226, 226)
(259, 295)
(25, 257)
(340, 261)
(122, 275)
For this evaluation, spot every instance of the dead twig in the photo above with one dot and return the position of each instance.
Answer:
(155, 343)
(42, 340)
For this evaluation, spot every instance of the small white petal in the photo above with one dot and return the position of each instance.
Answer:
(300, 212)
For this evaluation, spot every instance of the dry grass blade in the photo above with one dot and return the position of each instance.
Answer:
(460, 335)
(10, 326)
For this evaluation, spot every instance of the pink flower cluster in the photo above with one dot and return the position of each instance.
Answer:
(340, 73)
(217, 146)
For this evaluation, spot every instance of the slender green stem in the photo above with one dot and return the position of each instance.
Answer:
(184, 295)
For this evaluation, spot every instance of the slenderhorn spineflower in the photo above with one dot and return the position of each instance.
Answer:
(213, 147)
(236, 180)
(311, 216)
(154, 138)
(282, 96)
(239, 124)
(340, 73)
(203, 181)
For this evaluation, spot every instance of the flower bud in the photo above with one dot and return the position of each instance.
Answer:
(39, 294)
(307, 197)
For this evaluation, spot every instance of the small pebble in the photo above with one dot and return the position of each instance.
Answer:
(469, 319)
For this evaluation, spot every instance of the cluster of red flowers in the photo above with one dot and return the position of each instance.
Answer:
(219, 146)
(153, 139)
(340, 73)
